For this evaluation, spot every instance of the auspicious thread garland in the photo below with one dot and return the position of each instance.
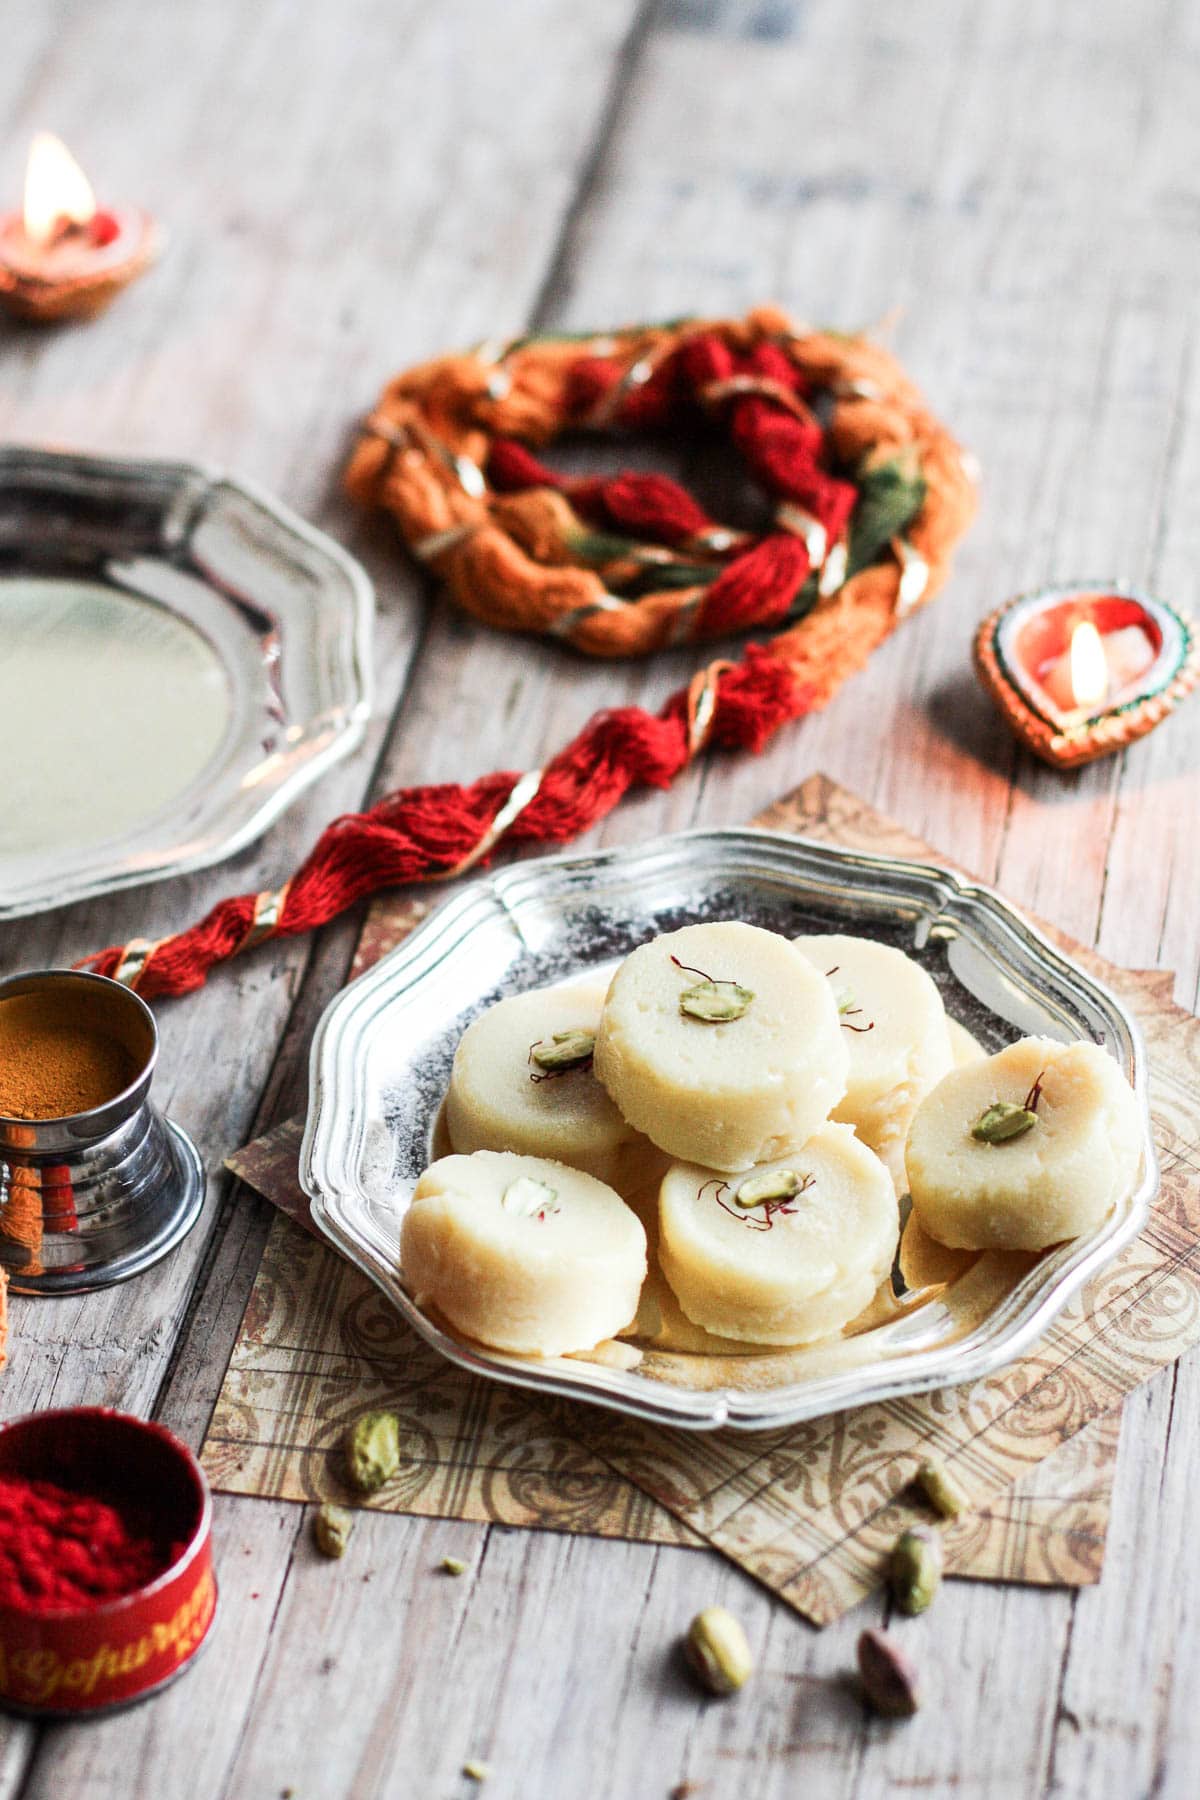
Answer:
(868, 494)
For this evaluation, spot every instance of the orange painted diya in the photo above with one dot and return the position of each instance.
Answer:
(1083, 670)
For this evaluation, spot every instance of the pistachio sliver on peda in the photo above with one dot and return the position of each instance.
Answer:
(775, 1184)
(715, 1002)
(1003, 1121)
(565, 1050)
(526, 1197)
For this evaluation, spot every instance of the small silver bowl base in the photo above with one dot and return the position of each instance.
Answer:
(178, 1203)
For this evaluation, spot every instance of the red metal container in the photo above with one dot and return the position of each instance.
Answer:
(78, 1660)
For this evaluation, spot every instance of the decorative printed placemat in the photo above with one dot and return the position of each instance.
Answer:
(809, 1511)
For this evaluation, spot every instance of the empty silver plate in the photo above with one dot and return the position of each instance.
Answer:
(381, 1062)
(179, 657)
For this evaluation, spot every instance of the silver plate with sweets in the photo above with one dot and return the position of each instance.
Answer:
(180, 657)
(382, 1056)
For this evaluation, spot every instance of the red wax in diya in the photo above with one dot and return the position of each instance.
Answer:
(1082, 671)
(62, 256)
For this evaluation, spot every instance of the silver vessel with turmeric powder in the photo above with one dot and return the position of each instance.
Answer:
(95, 1185)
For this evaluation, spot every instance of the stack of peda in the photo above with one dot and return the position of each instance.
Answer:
(755, 1100)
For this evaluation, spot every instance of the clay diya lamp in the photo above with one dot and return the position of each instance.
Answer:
(70, 1660)
(1080, 671)
(62, 256)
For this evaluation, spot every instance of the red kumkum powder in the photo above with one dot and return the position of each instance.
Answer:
(63, 1549)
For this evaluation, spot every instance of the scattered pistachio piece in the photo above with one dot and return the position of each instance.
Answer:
(715, 1002)
(565, 1050)
(478, 1771)
(454, 1565)
(776, 1184)
(915, 1570)
(889, 1680)
(1002, 1121)
(331, 1529)
(846, 1000)
(525, 1197)
(372, 1450)
(944, 1491)
(717, 1651)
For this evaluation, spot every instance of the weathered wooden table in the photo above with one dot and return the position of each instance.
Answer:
(350, 188)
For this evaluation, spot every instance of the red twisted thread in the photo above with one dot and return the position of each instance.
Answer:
(511, 557)
(422, 833)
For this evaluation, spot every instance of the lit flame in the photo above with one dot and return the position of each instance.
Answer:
(1089, 666)
(56, 190)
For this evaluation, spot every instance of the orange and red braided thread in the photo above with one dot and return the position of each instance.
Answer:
(449, 451)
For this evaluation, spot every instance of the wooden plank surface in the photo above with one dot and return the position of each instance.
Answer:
(351, 188)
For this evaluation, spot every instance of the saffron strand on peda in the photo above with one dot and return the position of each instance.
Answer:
(868, 495)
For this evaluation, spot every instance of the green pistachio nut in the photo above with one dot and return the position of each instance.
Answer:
(565, 1050)
(715, 1002)
(1003, 1121)
(372, 1451)
(331, 1529)
(717, 1651)
(775, 1184)
(915, 1570)
(944, 1492)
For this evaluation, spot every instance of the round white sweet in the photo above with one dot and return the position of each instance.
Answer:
(522, 1253)
(500, 1098)
(1059, 1178)
(788, 1271)
(894, 1024)
(723, 1094)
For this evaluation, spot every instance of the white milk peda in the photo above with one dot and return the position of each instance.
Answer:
(721, 1043)
(1053, 1178)
(794, 1266)
(502, 1097)
(522, 1253)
